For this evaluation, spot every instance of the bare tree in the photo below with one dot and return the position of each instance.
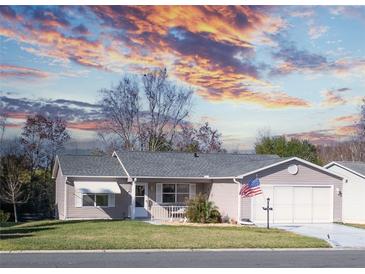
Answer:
(108, 142)
(33, 138)
(42, 138)
(202, 139)
(121, 107)
(186, 139)
(168, 105)
(57, 136)
(362, 122)
(153, 126)
(209, 139)
(3, 120)
(13, 178)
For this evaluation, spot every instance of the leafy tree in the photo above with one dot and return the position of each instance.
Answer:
(13, 177)
(287, 148)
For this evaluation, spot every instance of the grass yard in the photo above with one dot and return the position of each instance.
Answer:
(357, 225)
(138, 235)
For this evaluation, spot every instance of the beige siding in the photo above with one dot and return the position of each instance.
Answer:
(122, 202)
(201, 187)
(60, 194)
(245, 208)
(307, 175)
(224, 194)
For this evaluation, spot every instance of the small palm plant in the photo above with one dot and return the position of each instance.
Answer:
(201, 210)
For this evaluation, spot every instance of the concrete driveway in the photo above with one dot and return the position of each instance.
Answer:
(336, 234)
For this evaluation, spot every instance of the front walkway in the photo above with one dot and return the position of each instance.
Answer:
(336, 234)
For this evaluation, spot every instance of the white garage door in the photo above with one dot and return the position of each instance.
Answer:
(294, 204)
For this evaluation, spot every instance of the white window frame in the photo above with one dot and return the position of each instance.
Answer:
(82, 199)
(175, 193)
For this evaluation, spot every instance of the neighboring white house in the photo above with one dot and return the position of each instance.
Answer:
(353, 193)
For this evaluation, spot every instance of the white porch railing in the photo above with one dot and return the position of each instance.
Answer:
(168, 212)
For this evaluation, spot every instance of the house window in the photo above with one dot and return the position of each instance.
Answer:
(175, 193)
(95, 200)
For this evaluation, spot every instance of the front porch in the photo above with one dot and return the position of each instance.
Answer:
(163, 201)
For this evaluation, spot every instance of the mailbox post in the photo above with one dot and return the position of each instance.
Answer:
(267, 208)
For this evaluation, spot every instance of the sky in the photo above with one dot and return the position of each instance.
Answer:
(292, 70)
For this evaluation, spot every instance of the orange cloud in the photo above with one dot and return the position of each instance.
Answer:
(354, 118)
(12, 125)
(266, 99)
(17, 115)
(208, 47)
(21, 72)
(332, 99)
(233, 24)
(89, 125)
(317, 137)
(217, 84)
(348, 130)
(315, 32)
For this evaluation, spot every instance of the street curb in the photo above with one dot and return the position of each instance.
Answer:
(174, 250)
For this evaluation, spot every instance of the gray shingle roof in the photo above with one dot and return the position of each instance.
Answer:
(90, 165)
(176, 164)
(358, 167)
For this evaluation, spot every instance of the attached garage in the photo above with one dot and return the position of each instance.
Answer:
(294, 204)
(299, 191)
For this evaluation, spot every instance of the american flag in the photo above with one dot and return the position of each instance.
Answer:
(252, 188)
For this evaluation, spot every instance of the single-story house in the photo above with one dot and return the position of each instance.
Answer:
(353, 201)
(156, 185)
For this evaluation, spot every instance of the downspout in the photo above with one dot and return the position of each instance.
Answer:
(133, 199)
(65, 200)
(239, 200)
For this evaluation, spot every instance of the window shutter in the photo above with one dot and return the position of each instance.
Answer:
(192, 190)
(111, 200)
(159, 193)
(78, 199)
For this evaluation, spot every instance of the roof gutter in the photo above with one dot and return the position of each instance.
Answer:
(125, 170)
(188, 178)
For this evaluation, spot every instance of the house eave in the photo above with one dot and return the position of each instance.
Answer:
(345, 168)
(289, 160)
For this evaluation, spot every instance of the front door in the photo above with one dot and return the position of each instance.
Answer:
(141, 200)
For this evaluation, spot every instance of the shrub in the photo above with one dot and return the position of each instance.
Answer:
(200, 210)
(4, 216)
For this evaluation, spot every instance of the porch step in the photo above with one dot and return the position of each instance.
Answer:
(246, 222)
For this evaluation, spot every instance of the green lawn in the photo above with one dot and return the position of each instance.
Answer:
(138, 235)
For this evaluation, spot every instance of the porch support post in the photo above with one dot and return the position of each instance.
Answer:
(239, 201)
(133, 199)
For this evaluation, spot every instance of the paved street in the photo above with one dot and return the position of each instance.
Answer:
(310, 258)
